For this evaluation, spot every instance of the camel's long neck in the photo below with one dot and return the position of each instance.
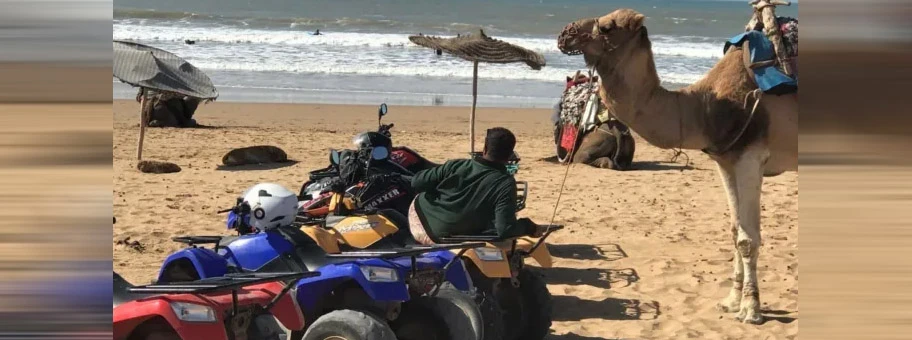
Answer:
(666, 119)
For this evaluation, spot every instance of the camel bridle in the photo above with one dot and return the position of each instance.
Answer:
(573, 30)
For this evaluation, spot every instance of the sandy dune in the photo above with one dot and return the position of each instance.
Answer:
(646, 254)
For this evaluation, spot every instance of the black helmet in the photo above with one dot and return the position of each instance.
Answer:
(372, 139)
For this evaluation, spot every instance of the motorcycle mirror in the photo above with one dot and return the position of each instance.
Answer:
(382, 111)
(379, 153)
(334, 157)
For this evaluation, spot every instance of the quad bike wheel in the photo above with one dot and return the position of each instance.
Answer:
(162, 336)
(457, 316)
(491, 315)
(495, 326)
(418, 321)
(155, 330)
(527, 308)
(537, 305)
(347, 324)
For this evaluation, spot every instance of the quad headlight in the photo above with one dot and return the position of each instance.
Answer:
(379, 274)
(192, 312)
(489, 254)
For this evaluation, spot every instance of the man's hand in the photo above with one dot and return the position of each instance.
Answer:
(540, 230)
(533, 229)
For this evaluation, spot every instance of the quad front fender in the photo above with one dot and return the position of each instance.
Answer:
(285, 310)
(312, 290)
(456, 274)
(541, 254)
(130, 316)
(489, 268)
(183, 264)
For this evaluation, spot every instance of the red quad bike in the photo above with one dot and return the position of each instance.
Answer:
(236, 306)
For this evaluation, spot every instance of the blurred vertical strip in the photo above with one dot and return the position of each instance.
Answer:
(55, 169)
(856, 222)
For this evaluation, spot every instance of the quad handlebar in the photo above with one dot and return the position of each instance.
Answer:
(191, 240)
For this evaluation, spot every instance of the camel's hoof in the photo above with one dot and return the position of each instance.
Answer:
(731, 303)
(749, 317)
(728, 307)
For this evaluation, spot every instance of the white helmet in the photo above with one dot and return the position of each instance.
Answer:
(271, 205)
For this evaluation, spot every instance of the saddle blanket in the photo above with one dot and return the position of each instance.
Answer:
(768, 77)
(568, 137)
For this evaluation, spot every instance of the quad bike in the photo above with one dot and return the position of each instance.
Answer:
(235, 306)
(401, 287)
(486, 267)
(514, 301)
(499, 269)
(384, 229)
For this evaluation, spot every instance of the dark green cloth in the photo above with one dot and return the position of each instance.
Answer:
(467, 197)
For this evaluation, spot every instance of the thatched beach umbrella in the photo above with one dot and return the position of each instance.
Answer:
(149, 67)
(480, 48)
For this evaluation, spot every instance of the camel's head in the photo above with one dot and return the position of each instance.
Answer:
(604, 37)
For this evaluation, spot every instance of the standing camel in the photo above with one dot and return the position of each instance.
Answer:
(711, 115)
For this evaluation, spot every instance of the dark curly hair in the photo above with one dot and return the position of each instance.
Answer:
(499, 144)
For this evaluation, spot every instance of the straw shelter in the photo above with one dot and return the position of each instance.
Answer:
(159, 70)
(480, 48)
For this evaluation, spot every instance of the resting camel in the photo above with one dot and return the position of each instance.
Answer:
(599, 147)
(608, 145)
(711, 115)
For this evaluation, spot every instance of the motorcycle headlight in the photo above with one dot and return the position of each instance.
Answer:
(192, 312)
(379, 274)
(489, 254)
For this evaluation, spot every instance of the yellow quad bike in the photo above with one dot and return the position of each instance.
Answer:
(349, 230)
(499, 268)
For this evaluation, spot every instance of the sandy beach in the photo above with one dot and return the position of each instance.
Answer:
(646, 253)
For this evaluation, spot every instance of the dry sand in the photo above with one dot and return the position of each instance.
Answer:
(646, 254)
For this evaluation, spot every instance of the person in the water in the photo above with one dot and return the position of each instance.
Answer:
(317, 32)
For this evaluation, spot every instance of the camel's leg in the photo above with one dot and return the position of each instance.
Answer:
(732, 303)
(604, 162)
(749, 178)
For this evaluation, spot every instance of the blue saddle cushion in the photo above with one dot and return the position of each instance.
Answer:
(769, 78)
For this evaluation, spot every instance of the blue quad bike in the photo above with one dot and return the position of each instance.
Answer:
(415, 292)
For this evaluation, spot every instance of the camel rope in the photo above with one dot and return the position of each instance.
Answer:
(757, 94)
(570, 154)
(680, 151)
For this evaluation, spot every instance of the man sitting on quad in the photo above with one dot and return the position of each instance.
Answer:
(469, 196)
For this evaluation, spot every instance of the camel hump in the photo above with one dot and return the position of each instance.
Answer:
(255, 155)
(157, 167)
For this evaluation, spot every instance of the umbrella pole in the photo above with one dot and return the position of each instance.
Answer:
(142, 127)
(474, 100)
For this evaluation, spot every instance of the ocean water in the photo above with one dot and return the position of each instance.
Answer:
(263, 50)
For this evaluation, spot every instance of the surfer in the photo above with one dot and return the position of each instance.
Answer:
(317, 32)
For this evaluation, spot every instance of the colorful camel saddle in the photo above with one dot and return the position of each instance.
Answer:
(579, 111)
(762, 57)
